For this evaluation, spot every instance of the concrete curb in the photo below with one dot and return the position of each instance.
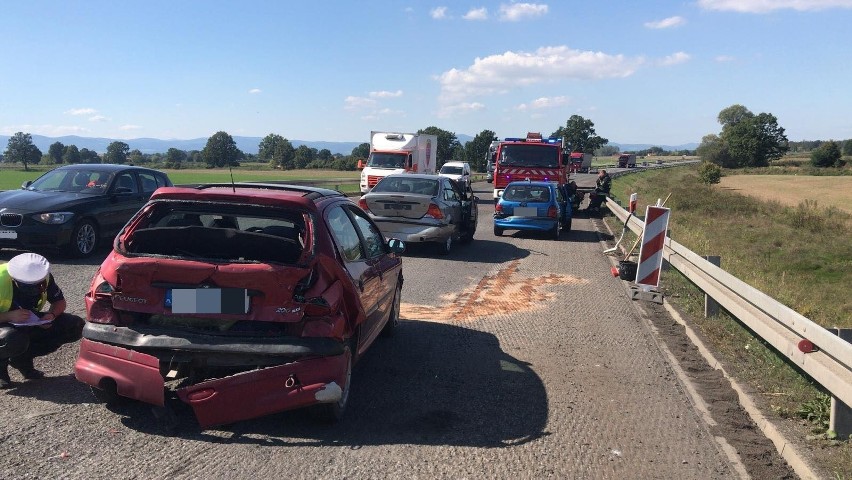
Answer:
(787, 449)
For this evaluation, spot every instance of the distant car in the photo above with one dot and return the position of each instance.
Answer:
(423, 208)
(536, 206)
(241, 300)
(75, 207)
(458, 171)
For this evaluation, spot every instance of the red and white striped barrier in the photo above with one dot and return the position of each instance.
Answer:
(651, 252)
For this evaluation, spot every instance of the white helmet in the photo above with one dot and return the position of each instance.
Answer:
(30, 268)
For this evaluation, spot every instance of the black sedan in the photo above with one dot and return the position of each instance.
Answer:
(75, 207)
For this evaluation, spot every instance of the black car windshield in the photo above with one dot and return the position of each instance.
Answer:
(527, 193)
(405, 184)
(451, 170)
(529, 156)
(86, 181)
(386, 160)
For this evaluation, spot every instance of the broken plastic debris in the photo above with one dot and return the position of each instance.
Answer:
(330, 393)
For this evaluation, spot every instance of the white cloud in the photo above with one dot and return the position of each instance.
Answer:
(385, 94)
(81, 111)
(352, 102)
(724, 58)
(515, 12)
(674, 59)
(255, 90)
(98, 118)
(476, 14)
(438, 13)
(498, 74)
(544, 102)
(764, 6)
(130, 127)
(666, 23)
(460, 108)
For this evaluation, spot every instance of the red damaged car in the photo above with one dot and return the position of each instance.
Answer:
(241, 299)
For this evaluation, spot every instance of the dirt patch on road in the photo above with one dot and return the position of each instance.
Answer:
(504, 292)
(791, 190)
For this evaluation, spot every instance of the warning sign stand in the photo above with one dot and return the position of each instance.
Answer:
(651, 255)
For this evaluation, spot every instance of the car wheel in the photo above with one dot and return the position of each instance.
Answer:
(567, 226)
(393, 319)
(498, 231)
(555, 232)
(447, 246)
(333, 412)
(107, 393)
(84, 239)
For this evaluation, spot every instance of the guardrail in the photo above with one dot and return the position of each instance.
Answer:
(780, 326)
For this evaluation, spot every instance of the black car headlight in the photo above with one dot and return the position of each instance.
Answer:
(53, 218)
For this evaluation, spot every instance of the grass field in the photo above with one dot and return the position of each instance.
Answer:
(791, 190)
(11, 179)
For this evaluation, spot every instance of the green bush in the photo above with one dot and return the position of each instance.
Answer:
(827, 155)
(709, 173)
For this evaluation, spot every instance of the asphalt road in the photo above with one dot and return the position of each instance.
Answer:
(517, 357)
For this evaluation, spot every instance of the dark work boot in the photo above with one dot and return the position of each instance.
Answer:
(25, 366)
(5, 381)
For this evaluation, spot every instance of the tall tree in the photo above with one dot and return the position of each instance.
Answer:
(304, 156)
(733, 115)
(361, 151)
(221, 151)
(579, 134)
(175, 157)
(847, 147)
(55, 151)
(476, 149)
(447, 141)
(136, 157)
(277, 150)
(71, 154)
(117, 152)
(21, 149)
(713, 149)
(755, 141)
(325, 155)
(89, 156)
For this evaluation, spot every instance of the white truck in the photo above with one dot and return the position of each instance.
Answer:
(393, 152)
(626, 160)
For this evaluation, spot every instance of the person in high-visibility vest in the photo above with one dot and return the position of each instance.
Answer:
(26, 286)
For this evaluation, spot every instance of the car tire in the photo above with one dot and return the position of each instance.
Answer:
(108, 395)
(567, 226)
(498, 231)
(84, 239)
(333, 412)
(393, 320)
(447, 246)
(554, 233)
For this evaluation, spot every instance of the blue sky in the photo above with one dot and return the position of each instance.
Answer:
(653, 72)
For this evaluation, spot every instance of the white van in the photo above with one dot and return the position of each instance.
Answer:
(458, 171)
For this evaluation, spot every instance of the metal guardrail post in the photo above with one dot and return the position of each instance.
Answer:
(840, 419)
(711, 307)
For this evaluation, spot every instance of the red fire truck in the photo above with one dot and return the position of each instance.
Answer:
(533, 158)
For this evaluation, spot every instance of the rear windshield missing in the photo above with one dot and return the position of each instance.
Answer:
(205, 232)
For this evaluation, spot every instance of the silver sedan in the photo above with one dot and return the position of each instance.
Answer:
(422, 208)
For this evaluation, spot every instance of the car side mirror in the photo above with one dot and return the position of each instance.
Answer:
(26, 184)
(360, 164)
(396, 245)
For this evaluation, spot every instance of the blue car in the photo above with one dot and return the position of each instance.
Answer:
(536, 206)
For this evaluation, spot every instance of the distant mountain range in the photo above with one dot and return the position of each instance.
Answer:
(247, 144)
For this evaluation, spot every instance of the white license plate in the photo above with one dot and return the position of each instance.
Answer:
(232, 301)
(526, 212)
(8, 235)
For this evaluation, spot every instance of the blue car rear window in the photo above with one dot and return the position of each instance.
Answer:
(527, 193)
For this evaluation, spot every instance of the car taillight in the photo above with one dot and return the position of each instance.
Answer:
(552, 212)
(434, 212)
(362, 202)
(498, 208)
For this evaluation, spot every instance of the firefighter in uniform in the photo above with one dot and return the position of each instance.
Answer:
(26, 332)
(602, 187)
